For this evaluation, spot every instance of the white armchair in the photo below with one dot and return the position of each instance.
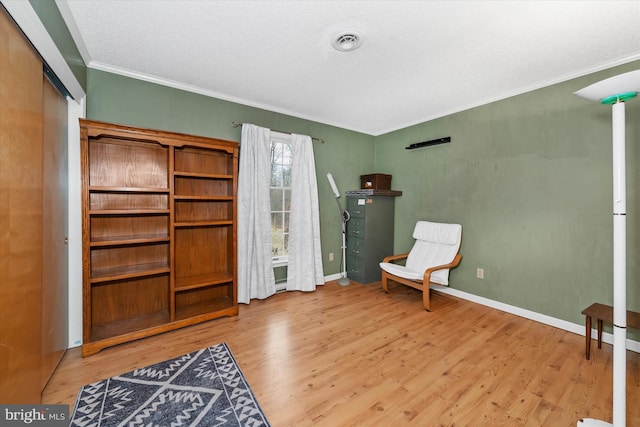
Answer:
(435, 251)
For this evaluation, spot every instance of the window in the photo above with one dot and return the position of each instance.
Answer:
(280, 195)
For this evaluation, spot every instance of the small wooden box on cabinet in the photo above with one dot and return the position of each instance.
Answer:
(158, 234)
(375, 181)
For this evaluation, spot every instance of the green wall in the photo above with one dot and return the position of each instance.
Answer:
(52, 20)
(528, 177)
(346, 154)
(530, 180)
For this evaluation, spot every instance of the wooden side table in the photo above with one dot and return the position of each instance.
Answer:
(604, 313)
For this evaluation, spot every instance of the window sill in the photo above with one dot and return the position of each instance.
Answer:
(280, 262)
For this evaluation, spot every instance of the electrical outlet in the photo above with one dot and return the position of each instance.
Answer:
(330, 256)
(480, 273)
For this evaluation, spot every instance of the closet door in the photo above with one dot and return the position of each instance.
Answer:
(55, 306)
(33, 220)
(21, 217)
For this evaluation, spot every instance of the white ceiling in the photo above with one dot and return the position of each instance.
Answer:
(419, 59)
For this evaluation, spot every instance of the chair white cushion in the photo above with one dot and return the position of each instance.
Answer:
(436, 244)
(435, 232)
(402, 271)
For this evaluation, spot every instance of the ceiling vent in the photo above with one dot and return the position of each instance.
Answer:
(348, 41)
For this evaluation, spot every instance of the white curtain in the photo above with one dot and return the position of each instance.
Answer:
(305, 258)
(255, 271)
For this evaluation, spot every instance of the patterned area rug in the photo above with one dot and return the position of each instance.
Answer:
(203, 388)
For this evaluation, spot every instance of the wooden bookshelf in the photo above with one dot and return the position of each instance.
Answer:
(159, 232)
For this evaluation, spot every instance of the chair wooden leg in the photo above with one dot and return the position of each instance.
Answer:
(600, 322)
(426, 297)
(588, 337)
(385, 284)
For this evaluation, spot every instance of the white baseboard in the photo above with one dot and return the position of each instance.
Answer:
(332, 277)
(532, 315)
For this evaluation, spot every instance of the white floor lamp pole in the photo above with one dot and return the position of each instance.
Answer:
(615, 91)
(344, 215)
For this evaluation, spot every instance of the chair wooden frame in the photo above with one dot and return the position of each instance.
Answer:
(423, 284)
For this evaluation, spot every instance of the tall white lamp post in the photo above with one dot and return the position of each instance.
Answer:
(615, 91)
(344, 280)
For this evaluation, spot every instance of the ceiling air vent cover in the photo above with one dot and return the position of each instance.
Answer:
(348, 41)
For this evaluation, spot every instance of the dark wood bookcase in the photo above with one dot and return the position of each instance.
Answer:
(159, 232)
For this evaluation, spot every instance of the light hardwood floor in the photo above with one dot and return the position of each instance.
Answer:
(353, 355)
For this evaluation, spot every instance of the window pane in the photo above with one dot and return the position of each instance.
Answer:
(277, 239)
(285, 245)
(286, 175)
(286, 222)
(276, 199)
(276, 175)
(276, 222)
(286, 155)
(276, 152)
(287, 199)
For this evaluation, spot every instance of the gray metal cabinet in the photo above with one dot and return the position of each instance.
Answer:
(369, 233)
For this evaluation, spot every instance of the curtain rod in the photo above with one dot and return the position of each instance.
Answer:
(236, 124)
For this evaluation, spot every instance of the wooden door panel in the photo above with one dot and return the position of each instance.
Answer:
(55, 231)
(20, 216)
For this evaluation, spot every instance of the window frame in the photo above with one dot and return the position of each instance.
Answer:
(280, 138)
